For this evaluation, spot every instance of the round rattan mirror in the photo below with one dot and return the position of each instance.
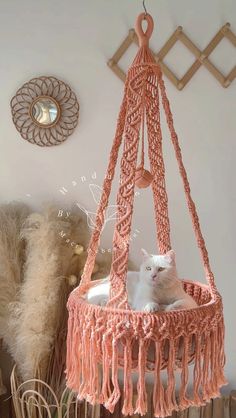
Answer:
(45, 111)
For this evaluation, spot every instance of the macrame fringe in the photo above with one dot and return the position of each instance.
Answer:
(94, 357)
(128, 383)
(159, 402)
(170, 391)
(197, 375)
(106, 386)
(86, 370)
(115, 395)
(141, 403)
(184, 401)
(93, 393)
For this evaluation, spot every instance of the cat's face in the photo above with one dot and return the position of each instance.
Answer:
(158, 270)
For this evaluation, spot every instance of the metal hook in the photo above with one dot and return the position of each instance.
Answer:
(145, 10)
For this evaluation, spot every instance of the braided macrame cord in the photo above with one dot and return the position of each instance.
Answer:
(102, 341)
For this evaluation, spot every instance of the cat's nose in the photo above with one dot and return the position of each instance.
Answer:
(154, 275)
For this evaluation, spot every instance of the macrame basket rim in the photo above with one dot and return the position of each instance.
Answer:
(103, 340)
(77, 297)
(173, 324)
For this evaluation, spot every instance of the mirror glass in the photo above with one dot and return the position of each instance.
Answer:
(45, 111)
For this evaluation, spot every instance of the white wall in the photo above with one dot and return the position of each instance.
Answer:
(72, 40)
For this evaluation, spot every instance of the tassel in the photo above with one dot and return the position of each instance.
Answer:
(213, 366)
(113, 399)
(128, 384)
(141, 403)
(170, 391)
(94, 376)
(220, 354)
(206, 363)
(159, 403)
(106, 386)
(77, 359)
(223, 381)
(184, 402)
(73, 354)
(100, 331)
(197, 374)
(85, 366)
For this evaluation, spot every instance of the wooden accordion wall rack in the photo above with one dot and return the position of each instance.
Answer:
(201, 57)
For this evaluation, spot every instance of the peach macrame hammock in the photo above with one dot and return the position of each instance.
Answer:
(187, 345)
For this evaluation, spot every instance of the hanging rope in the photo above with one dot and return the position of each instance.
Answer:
(106, 190)
(191, 206)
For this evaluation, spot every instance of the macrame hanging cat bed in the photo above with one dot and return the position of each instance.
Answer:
(103, 341)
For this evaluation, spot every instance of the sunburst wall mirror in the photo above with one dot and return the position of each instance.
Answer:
(45, 111)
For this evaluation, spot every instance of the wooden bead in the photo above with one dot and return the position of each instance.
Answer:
(143, 178)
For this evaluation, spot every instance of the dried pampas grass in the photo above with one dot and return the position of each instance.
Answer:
(35, 318)
(33, 315)
(12, 217)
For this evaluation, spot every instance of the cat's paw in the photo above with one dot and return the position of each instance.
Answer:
(151, 307)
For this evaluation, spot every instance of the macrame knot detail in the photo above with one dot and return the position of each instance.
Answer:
(143, 178)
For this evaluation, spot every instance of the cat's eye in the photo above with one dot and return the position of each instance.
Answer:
(161, 269)
(148, 268)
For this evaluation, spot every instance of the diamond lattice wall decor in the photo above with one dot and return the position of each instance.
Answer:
(201, 57)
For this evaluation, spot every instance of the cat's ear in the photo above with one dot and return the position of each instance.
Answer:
(145, 254)
(170, 255)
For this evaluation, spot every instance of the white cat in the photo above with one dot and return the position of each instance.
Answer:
(155, 287)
